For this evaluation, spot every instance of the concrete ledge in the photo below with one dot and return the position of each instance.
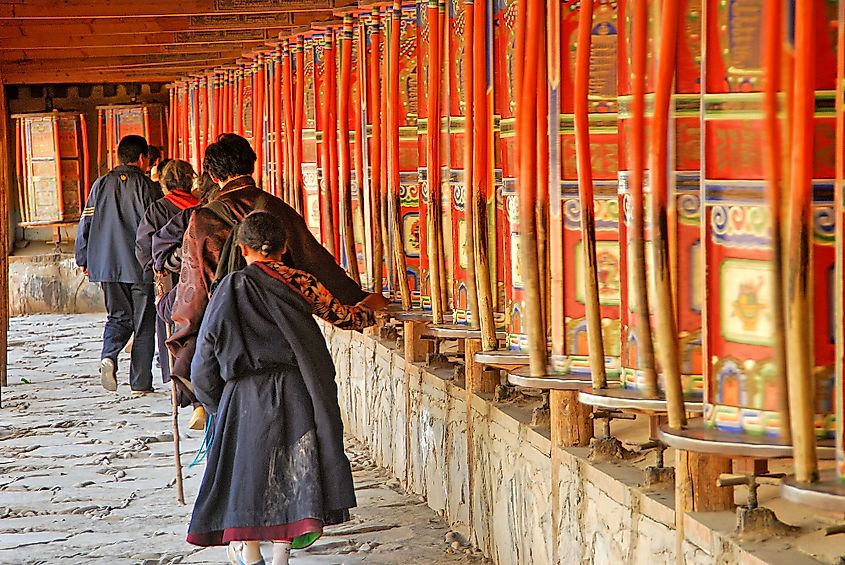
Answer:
(50, 283)
(496, 487)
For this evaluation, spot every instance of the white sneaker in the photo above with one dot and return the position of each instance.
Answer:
(108, 377)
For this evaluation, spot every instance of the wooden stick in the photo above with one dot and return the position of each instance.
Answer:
(239, 102)
(60, 196)
(258, 82)
(541, 205)
(194, 89)
(375, 153)
(170, 129)
(361, 173)
(19, 173)
(384, 178)
(394, 177)
(470, 185)
(278, 145)
(667, 332)
(799, 268)
(586, 196)
(637, 263)
(433, 163)
(203, 117)
(839, 266)
(287, 86)
(177, 455)
(185, 130)
(299, 124)
(482, 171)
(532, 20)
(345, 46)
(86, 165)
(772, 161)
(331, 70)
(327, 217)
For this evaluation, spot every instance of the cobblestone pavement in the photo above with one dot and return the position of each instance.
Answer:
(87, 476)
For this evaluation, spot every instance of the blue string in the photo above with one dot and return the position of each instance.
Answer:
(206, 443)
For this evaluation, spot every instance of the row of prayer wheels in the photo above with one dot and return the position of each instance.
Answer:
(635, 202)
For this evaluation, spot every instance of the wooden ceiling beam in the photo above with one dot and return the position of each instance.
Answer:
(118, 64)
(10, 29)
(74, 9)
(74, 52)
(165, 38)
(65, 76)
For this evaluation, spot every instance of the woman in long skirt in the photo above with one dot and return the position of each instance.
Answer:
(276, 467)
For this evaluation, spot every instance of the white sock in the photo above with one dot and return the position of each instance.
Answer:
(281, 552)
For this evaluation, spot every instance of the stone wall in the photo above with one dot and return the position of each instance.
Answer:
(509, 494)
(50, 283)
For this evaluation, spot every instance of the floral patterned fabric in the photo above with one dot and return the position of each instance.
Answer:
(323, 304)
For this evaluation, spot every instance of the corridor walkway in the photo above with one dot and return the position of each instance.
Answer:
(87, 476)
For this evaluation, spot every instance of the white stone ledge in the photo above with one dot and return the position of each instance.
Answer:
(415, 422)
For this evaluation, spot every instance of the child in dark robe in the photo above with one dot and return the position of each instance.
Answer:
(276, 467)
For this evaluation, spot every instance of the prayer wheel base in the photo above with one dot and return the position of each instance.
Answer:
(504, 359)
(699, 438)
(456, 331)
(414, 315)
(627, 400)
(522, 377)
(828, 494)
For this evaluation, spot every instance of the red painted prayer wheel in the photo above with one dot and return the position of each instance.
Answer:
(146, 120)
(52, 167)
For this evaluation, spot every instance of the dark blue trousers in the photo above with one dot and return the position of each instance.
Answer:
(131, 310)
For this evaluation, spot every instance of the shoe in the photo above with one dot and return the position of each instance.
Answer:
(108, 377)
(143, 392)
(236, 556)
(198, 419)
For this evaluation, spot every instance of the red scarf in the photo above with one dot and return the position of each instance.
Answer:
(182, 200)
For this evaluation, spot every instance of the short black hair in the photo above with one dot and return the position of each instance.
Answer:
(262, 231)
(230, 156)
(153, 154)
(131, 148)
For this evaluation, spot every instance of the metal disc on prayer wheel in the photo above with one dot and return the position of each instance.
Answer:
(52, 167)
(574, 374)
(628, 400)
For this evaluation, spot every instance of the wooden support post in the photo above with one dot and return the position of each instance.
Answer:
(571, 421)
(695, 484)
(478, 378)
(5, 182)
(416, 348)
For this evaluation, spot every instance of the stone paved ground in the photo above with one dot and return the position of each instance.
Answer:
(86, 476)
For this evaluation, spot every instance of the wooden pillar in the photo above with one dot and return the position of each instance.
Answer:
(5, 182)
(571, 421)
(478, 378)
(695, 484)
(416, 348)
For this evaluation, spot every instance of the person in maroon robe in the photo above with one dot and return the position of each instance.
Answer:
(231, 161)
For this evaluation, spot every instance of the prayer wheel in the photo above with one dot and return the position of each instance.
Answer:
(310, 171)
(567, 246)
(455, 154)
(146, 120)
(685, 224)
(409, 188)
(51, 157)
(744, 389)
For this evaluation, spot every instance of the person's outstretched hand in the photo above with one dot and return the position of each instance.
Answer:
(375, 301)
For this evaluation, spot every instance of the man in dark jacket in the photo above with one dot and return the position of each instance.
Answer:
(230, 162)
(105, 249)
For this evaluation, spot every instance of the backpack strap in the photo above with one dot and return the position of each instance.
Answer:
(230, 259)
